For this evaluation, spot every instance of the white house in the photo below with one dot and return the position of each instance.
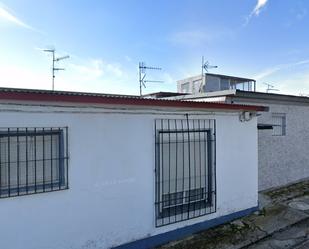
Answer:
(81, 170)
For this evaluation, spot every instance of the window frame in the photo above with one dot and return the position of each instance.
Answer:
(282, 126)
(60, 183)
(185, 87)
(167, 214)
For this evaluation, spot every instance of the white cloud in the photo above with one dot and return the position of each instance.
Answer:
(297, 83)
(168, 79)
(114, 69)
(88, 75)
(97, 75)
(5, 15)
(96, 68)
(266, 72)
(257, 9)
(91, 70)
(22, 77)
(269, 71)
(290, 78)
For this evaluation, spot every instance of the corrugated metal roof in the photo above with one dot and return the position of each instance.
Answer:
(18, 94)
(43, 91)
(255, 96)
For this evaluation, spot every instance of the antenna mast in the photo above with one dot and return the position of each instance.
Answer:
(142, 75)
(270, 88)
(205, 66)
(53, 64)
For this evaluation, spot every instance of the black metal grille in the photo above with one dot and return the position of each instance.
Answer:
(185, 169)
(33, 160)
(279, 124)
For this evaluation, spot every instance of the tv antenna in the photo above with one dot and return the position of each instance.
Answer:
(205, 66)
(270, 88)
(55, 59)
(303, 94)
(142, 75)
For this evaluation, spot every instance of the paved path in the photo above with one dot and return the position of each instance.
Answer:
(282, 222)
(293, 236)
(296, 237)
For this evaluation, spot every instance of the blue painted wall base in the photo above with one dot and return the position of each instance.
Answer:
(180, 233)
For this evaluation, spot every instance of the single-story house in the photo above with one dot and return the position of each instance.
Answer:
(85, 170)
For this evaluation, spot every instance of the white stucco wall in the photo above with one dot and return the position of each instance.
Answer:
(284, 159)
(110, 200)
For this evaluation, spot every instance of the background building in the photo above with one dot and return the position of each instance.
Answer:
(283, 138)
(214, 82)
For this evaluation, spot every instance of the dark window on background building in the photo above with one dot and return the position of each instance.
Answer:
(279, 124)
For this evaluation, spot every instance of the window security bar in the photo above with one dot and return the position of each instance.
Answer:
(185, 169)
(33, 160)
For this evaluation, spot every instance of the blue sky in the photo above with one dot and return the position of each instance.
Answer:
(262, 39)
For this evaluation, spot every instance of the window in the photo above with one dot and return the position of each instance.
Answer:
(185, 87)
(33, 160)
(197, 86)
(185, 170)
(279, 124)
(224, 84)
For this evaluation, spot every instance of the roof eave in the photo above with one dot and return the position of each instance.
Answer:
(112, 100)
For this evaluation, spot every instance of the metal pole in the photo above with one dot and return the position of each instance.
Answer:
(142, 74)
(202, 65)
(53, 79)
(140, 79)
(202, 79)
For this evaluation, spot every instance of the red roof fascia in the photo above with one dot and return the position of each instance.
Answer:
(136, 101)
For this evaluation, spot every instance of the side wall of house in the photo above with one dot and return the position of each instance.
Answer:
(284, 159)
(110, 200)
